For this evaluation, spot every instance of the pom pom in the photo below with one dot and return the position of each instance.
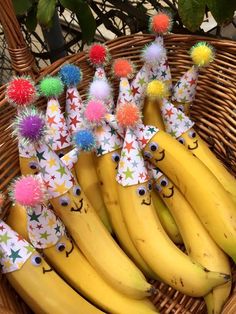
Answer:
(71, 75)
(157, 89)
(95, 111)
(84, 140)
(98, 54)
(51, 86)
(100, 89)
(161, 23)
(30, 125)
(123, 68)
(202, 54)
(128, 115)
(28, 191)
(21, 91)
(153, 53)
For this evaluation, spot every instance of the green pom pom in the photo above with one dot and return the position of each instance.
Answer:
(51, 86)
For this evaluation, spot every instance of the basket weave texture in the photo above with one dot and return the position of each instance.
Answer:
(214, 112)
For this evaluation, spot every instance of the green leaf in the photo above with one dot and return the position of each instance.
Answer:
(85, 17)
(222, 10)
(45, 11)
(31, 19)
(21, 6)
(192, 13)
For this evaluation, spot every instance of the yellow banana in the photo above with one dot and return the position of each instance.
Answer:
(199, 148)
(198, 243)
(107, 169)
(165, 259)
(205, 194)
(28, 165)
(151, 113)
(75, 269)
(166, 218)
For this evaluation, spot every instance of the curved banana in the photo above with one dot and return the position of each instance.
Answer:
(152, 113)
(166, 219)
(198, 243)
(156, 247)
(73, 266)
(199, 148)
(30, 275)
(28, 165)
(107, 169)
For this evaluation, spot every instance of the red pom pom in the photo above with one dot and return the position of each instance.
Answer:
(98, 54)
(161, 23)
(123, 68)
(21, 92)
(128, 115)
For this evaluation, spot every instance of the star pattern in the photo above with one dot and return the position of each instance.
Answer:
(139, 84)
(74, 106)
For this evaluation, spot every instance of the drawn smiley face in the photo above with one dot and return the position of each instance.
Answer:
(65, 246)
(189, 139)
(37, 261)
(165, 187)
(29, 166)
(143, 191)
(154, 151)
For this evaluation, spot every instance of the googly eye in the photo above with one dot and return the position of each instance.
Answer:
(149, 186)
(64, 201)
(61, 155)
(192, 134)
(181, 140)
(153, 146)
(77, 190)
(141, 191)
(36, 260)
(180, 107)
(60, 246)
(33, 165)
(116, 157)
(147, 155)
(164, 182)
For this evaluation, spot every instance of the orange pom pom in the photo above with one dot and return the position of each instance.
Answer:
(161, 23)
(123, 68)
(128, 115)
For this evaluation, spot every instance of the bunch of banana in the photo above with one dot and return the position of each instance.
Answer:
(72, 206)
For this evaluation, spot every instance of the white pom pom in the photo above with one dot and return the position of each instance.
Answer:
(153, 53)
(100, 89)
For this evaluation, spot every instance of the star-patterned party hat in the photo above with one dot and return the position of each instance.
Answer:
(152, 56)
(131, 168)
(175, 121)
(58, 136)
(14, 250)
(100, 88)
(160, 24)
(184, 90)
(71, 76)
(26, 151)
(123, 69)
(70, 158)
(153, 171)
(145, 133)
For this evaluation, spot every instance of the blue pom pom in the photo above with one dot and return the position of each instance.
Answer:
(70, 75)
(84, 140)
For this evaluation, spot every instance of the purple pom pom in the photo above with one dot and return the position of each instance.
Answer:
(31, 127)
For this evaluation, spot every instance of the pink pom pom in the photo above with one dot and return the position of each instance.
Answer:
(95, 111)
(28, 191)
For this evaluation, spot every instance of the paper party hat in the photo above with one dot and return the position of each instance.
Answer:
(131, 168)
(175, 121)
(58, 136)
(70, 158)
(153, 171)
(71, 76)
(14, 250)
(184, 90)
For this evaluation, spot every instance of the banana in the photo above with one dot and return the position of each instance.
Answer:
(151, 113)
(156, 247)
(107, 169)
(75, 269)
(30, 275)
(28, 165)
(198, 243)
(199, 148)
(166, 219)
(204, 192)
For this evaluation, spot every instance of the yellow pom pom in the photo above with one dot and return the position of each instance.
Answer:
(157, 89)
(202, 54)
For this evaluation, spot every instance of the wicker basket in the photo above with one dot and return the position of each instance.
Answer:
(214, 112)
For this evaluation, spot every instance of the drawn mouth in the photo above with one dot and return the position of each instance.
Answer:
(171, 194)
(162, 153)
(147, 203)
(117, 166)
(193, 147)
(47, 270)
(78, 209)
(71, 250)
